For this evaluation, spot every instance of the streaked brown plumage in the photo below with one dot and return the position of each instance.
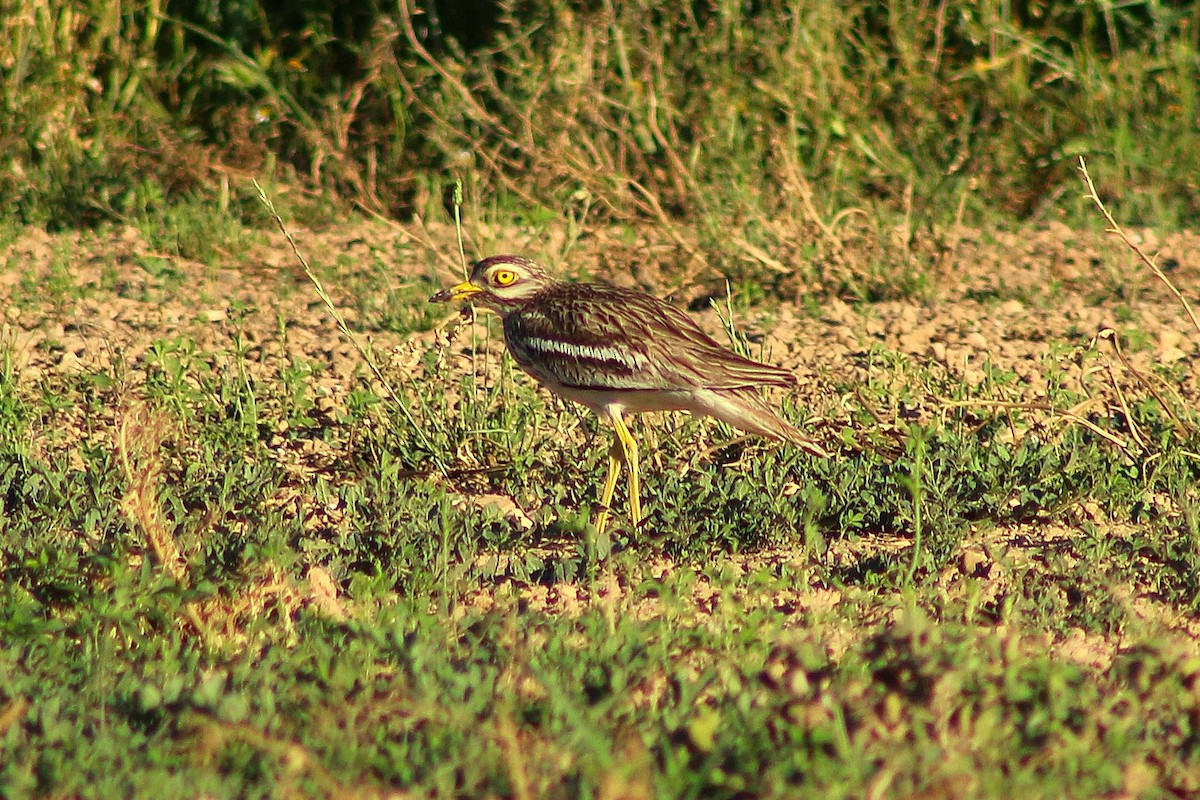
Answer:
(615, 351)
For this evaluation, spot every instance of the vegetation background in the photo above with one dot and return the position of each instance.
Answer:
(234, 565)
(704, 113)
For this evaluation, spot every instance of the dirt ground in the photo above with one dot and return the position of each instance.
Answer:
(1014, 300)
(1033, 302)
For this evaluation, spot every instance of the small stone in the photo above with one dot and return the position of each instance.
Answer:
(74, 344)
(1171, 355)
(1169, 339)
(972, 560)
(1012, 307)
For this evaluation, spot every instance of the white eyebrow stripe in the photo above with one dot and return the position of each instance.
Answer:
(594, 352)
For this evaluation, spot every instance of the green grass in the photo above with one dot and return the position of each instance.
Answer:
(161, 629)
(946, 698)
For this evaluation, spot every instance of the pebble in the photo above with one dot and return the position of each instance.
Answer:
(976, 341)
(1172, 354)
(1012, 307)
(1169, 339)
(971, 560)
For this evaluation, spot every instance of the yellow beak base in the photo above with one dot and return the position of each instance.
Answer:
(459, 291)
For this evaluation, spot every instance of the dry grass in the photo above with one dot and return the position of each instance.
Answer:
(139, 439)
(783, 121)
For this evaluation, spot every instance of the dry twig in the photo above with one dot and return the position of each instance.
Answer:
(345, 329)
(1116, 229)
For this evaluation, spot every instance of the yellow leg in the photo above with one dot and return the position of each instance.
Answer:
(610, 485)
(629, 454)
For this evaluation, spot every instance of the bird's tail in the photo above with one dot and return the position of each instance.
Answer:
(745, 409)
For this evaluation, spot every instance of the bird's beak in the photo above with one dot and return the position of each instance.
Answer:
(459, 291)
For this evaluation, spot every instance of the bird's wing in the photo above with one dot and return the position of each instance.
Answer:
(694, 355)
(609, 338)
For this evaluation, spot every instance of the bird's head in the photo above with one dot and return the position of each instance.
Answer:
(501, 283)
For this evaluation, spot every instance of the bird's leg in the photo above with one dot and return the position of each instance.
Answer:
(615, 457)
(629, 454)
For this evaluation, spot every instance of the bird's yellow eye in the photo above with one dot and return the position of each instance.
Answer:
(503, 277)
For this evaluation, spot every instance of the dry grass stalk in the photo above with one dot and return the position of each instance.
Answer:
(1115, 228)
(1111, 335)
(362, 349)
(514, 758)
(12, 713)
(139, 440)
(1073, 416)
(1186, 428)
(293, 759)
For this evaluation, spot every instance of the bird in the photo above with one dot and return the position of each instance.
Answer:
(619, 351)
